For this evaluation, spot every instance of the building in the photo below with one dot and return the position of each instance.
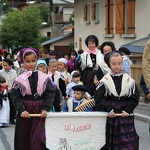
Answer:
(124, 22)
(61, 32)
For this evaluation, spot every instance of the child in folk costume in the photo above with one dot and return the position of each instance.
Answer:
(93, 86)
(92, 61)
(72, 63)
(9, 74)
(32, 93)
(42, 66)
(4, 103)
(63, 80)
(126, 60)
(75, 80)
(52, 71)
(77, 99)
(118, 93)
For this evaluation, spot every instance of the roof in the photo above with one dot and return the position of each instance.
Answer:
(68, 27)
(68, 1)
(138, 45)
(57, 39)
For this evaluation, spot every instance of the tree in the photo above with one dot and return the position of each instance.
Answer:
(21, 28)
(44, 11)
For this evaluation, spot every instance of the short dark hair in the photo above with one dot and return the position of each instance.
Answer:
(2, 80)
(92, 38)
(72, 52)
(80, 51)
(106, 44)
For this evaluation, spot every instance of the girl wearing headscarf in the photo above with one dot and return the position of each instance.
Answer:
(32, 93)
(91, 61)
(117, 93)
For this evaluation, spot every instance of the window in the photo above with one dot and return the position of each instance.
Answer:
(109, 17)
(125, 16)
(95, 12)
(87, 13)
(48, 34)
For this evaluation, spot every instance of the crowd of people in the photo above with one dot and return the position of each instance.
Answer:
(34, 85)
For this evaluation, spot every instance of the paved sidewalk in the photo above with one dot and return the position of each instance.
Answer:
(142, 112)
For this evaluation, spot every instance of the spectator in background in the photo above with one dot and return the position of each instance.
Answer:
(146, 65)
(53, 54)
(2, 51)
(7, 55)
(126, 60)
(80, 51)
(47, 57)
(1, 63)
(145, 89)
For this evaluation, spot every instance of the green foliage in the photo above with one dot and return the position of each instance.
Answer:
(72, 46)
(44, 11)
(71, 19)
(21, 28)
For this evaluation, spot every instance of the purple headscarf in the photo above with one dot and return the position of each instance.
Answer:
(25, 50)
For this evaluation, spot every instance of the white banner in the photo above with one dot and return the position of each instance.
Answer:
(75, 131)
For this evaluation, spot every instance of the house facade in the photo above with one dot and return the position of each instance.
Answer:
(124, 22)
(119, 21)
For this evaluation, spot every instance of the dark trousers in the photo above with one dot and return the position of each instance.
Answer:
(12, 109)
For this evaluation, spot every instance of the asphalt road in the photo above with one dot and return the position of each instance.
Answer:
(7, 136)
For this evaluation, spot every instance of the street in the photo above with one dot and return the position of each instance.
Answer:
(7, 136)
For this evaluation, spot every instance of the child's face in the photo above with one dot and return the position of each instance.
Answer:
(76, 79)
(6, 66)
(91, 45)
(53, 67)
(78, 95)
(106, 50)
(66, 57)
(43, 68)
(116, 63)
(73, 56)
(95, 80)
(61, 66)
(8, 57)
(3, 85)
(30, 62)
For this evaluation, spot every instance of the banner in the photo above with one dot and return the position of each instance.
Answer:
(75, 131)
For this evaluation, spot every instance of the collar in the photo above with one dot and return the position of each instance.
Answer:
(55, 73)
(88, 51)
(117, 74)
(78, 101)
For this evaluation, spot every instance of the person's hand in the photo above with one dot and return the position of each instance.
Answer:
(111, 114)
(124, 114)
(43, 113)
(66, 98)
(25, 114)
(148, 95)
(66, 81)
(88, 98)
